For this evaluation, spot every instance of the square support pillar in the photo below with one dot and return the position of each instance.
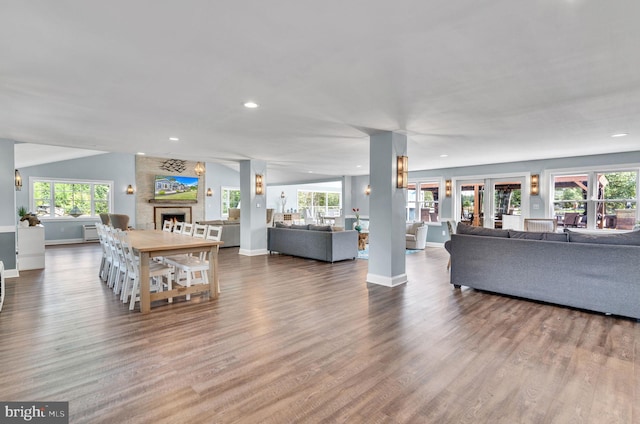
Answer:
(387, 211)
(253, 208)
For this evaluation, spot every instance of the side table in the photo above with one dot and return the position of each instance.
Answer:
(363, 239)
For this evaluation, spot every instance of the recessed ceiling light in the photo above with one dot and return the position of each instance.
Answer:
(251, 105)
(444, 155)
(620, 135)
(358, 166)
(174, 139)
(310, 172)
(140, 153)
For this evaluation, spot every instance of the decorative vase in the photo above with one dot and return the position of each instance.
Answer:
(358, 228)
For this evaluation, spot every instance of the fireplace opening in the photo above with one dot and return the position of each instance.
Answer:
(173, 217)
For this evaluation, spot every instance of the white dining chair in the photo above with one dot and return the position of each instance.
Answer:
(177, 227)
(187, 229)
(190, 270)
(131, 286)
(167, 226)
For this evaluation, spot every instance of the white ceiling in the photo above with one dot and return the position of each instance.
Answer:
(482, 81)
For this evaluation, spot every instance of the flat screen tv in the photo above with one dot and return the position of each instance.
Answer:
(176, 188)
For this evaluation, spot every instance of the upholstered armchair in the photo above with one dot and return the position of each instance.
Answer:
(540, 225)
(104, 218)
(119, 220)
(416, 235)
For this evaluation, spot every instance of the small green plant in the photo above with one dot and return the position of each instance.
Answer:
(22, 211)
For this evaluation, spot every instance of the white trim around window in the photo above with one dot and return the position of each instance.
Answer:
(33, 202)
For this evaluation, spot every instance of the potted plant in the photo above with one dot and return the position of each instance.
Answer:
(22, 212)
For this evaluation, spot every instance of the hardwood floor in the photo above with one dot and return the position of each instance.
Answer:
(301, 341)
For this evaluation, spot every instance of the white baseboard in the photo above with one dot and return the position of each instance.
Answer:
(382, 280)
(11, 273)
(258, 252)
(65, 241)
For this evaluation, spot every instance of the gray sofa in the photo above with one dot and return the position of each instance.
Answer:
(230, 231)
(595, 272)
(314, 242)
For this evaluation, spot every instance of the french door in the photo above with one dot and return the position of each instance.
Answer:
(492, 202)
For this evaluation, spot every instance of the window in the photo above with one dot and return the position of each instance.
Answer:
(325, 203)
(596, 199)
(230, 199)
(68, 198)
(423, 201)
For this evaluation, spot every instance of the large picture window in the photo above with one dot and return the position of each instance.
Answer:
(319, 203)
(423, 201)
(70, 198)
(596, 199)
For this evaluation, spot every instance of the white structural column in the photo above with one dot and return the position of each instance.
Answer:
(387, 211)
(253, 209)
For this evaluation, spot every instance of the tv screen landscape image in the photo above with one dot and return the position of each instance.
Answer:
(176, 188)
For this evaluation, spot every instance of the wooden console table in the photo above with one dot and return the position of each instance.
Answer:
(363, 239)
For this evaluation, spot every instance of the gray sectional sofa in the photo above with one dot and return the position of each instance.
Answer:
(595, 272)
(314, 242)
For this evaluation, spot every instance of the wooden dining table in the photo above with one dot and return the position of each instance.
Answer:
(153, 243)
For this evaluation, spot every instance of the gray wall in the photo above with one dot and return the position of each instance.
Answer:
(533, 167)
(8, 212)
(116, 167)
(216, 177)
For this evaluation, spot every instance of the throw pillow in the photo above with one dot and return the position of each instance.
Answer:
(531, 235)
(415, 227)
(299, 227)
(320, 227)
(526, 235)
(281, 225)
(555, 237)
(481, 231)
(630, 239)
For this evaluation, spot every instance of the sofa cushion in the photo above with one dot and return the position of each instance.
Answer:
(481, 231)
(410, 237)
(532, 235)
(211, 222)
(555, 237)
(527, 235)
(414, 227)
(320, 227)
(632, 238)
(299, 227)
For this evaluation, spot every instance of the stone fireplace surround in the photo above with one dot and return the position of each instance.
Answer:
(148, 215)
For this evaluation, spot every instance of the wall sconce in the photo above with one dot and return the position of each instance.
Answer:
(199, 169)
(403, 172)
(129, 189)
(535, 184)
(447, 188)
(18, 181)
(209, 192)
(259, 186)
(367, 190)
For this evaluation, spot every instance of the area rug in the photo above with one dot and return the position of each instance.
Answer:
(364, 254)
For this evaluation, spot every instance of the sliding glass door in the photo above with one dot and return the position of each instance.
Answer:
(492, 202)
(507, 203)
(471, 202)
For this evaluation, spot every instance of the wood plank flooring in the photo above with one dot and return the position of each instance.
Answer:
(299, 341)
